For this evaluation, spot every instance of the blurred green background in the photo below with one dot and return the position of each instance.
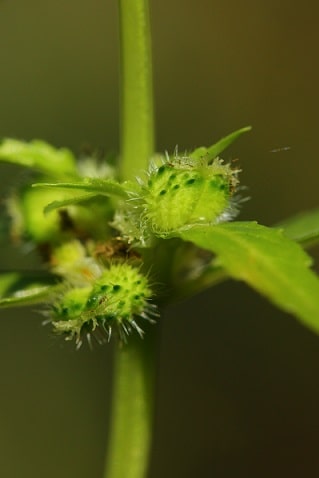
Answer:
(238, 383)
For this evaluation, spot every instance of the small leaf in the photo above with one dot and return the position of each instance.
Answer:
(25, 289)
(268, 261)
(105, 187)
(70, 201)
(7, 281)
(40, 156)
(214, 151)
(27, 297)
(303, 228)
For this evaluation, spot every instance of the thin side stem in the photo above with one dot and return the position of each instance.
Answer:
(137, 118)
(131, 421)
(211, 277)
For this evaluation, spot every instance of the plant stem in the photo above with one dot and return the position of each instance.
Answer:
(132, 412)
(131, 420)
(137, 118)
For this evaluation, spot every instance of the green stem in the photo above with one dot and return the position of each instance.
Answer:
(137, 121)
(131, 417)
(131, 421)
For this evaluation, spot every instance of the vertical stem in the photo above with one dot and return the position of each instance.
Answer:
(137, 118)
(131, 420)
(133, 388)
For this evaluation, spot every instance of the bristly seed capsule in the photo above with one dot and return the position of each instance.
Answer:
(184, 192)
(115, 302)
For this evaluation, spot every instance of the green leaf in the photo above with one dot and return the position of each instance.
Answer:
(25, 289)
(214, 151)
(7, 281)
(40, 156)
(35, 295)
(11, 282)
(303, 228)
(105, 187)
(70, 201)
(268, 261)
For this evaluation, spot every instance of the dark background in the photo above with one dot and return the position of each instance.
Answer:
(238, 384)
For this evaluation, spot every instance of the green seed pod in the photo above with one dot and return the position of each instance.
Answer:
(69, 316)
(28, 218)
(122, 295)
(115, 301)
(183, 192)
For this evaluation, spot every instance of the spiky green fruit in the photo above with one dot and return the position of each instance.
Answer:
(114, 302)
(184, 191)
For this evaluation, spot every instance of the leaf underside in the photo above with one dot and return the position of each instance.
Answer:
(303, 228)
